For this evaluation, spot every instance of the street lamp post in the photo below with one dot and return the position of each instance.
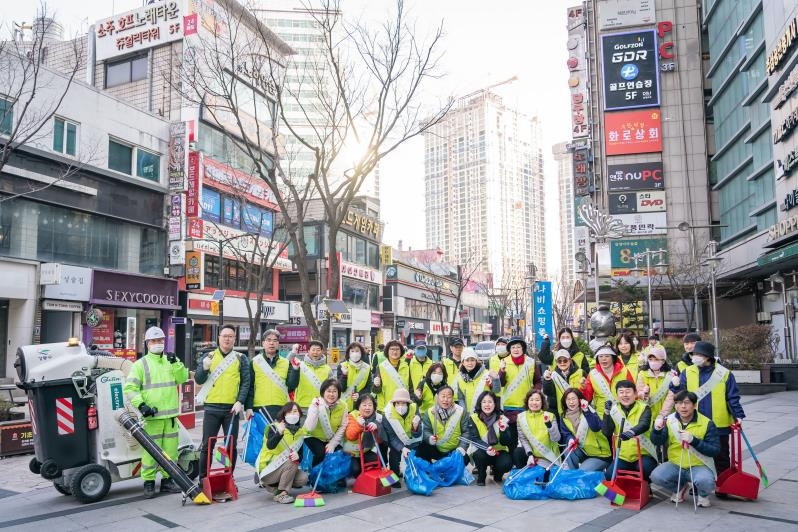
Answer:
(221, 273)
(533, 274)
(661, 268)
(585, 268)
(713, 261)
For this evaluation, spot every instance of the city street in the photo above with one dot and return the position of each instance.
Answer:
(29, 503)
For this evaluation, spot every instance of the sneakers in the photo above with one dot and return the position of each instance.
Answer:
(149, 489)
(168, 485)
(283, 498)
(480, 480)
(679, 497)
(703, 502)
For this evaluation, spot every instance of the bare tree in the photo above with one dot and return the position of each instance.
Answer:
(686, 278)
(565, 296)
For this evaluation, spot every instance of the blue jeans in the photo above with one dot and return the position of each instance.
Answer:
(579, 460)
(667, 476)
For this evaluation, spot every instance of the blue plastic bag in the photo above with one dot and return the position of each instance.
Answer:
(448, 471)
(257, 431)
(417, 476)
(520, 484)
(573, 484)
(333, 468)
(466, 479)
(306, 464)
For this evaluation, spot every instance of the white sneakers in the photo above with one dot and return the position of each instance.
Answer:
(703, 502)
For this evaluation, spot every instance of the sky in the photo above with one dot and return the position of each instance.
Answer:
(484, 43)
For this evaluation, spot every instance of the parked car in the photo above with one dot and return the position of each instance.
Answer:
(485, 350)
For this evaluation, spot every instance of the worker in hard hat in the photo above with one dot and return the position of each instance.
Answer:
(151, 387)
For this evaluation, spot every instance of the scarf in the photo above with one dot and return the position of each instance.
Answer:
(368, 437)
(518, 361)
(574, 417)
(315, 363)
(489, 420)
(468, 376)
(443, 414)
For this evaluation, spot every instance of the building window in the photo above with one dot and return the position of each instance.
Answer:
(231, 212)
(65, 136)
(211, 205)
(120, 157)
(148, 165)
(125, 71)
(6, 115)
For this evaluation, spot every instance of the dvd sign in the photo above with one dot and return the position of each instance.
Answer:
(632, 202)
(641, 176)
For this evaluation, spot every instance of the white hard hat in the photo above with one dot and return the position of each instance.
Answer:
(154, 333)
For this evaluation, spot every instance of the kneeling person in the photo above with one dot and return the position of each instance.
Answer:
(446, 423)
(278, 461)
(402, 427)
(490, 428)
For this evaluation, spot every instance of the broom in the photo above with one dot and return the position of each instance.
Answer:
(608, 489)
(389, 478)
(761, 469)
(313, 499)
(221, 454)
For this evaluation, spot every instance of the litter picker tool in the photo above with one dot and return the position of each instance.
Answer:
(571, 448)
(548, 469)
(692, 483)
(478, 445)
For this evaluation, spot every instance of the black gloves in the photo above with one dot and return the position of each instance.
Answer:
(627, 435)
(146, 410)
(171, 357)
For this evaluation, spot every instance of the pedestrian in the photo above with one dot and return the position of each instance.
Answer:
(355, 374)
(625, 421)
(445, 423)
(518, 374)
(269, 376)
(151, 387)
(538, 433)
(654, 379)
(580, 428)
(391, 374)
(419, 364)
(401, 425)
(435, 379)
(688, 342)
(363, 422)
(226, 377)
(717, 393)
(379, 355)
(490, 427)
(305, 377)
(326, 421)
(472, 380)
(452, 362)
(567, 341)
(565, 375)
(692, 443)
(600, 384)
(279, 458)
(626, 346)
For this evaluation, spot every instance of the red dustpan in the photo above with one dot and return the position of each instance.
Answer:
(633, 485)
(734, 481)
(374, 479)
(218, 485)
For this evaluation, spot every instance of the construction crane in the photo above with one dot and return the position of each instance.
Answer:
(485, 89)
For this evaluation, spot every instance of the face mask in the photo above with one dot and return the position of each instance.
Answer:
(501, 351)
(292, 419)
(354, 356)
(698, 360)
(156, 348)
(436, 378)
(421, 353)
(566, 342)
(655, 364)
(401, 409)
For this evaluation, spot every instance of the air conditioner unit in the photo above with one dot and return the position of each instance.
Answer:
(763, 317)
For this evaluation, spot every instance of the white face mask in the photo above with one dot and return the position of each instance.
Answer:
(354, 356)
(401, 409)
(292, 419)
(156, 348)
(698, 360)
(436, 378)
(656, 365)
(566, 342)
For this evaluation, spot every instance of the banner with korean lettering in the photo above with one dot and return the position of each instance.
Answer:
(543, 317)
(631, 70)
(633, 132)
(139, 29)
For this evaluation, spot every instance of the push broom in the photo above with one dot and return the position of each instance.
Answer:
(609, 489)
(388, 478)
(313, 499)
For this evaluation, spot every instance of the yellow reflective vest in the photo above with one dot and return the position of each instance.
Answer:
(225, 389)
(267, 393)
(336, 418)
(266, 455)
(629, 447)
(482, 428)
(418, 370)
(721, 415)
(697, 428)
(388, 386)
(153, 380)
(594, 444)
(306, 391)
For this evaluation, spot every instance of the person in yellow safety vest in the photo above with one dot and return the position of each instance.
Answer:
(401, 425)
(628, 354)
(692, 442)
(538, 433)
(600, 384)
(472, 380)
(500, 353)
(625, 421)
(355, 374)
(226, 378)
(443, 427)
(363, 422)
(378, 355)
(689, 342)
(391, 374)
(419, 364)
(580, 427)
(565, 340)
(653, 341)
(269, 374)
(305, 377)
(489, 427)
(518, 374)
(654, 379)
(279, 458)
(565, 375)
(429, 386)
(452, 362)
(326, 421)
(151, 387)
(718, 396)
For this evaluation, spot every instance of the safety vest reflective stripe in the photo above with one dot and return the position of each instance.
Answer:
(271, 459)
(715, 387)
(629, 447)
(360, 374)
(451, 433)
(402, 426)
(482, 428)
(329, 420)
(310, 379)
(536, 434)
(392, 380)
(471, 390)
(153, 380)
(509, 395)
(698, 429)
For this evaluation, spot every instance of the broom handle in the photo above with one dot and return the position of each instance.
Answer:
(318, 477)
(617, 451)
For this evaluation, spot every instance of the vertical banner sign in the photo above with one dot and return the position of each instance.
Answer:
(177, 156)
(192, 196)
(578, 74)
(631, 70)
(581, 169)
(543, 316)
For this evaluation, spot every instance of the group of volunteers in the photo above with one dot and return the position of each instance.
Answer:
(562, 407)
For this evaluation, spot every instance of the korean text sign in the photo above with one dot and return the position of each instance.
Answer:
(631, 72)
(633, 132)
(543, 320)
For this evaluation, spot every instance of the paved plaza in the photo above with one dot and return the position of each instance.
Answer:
(27, 502)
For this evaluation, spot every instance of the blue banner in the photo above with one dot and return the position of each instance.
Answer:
(542, 313)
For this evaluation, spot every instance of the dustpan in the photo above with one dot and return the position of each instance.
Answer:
(734, 481)
(633, 484)
(374, 479)
(218, 485)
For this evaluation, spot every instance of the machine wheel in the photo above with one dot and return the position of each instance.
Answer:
(192, 471)
(91, 483)
(35, 466)
(50, 469)
(62, 489)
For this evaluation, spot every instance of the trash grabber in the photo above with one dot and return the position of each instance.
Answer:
(679, 477)
(692, 483)
(571, 449)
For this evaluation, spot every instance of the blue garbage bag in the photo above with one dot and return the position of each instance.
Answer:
(520, 484)
(333, 468)
(448, 471)
(306, 464)
(466, 479)
(573, 484)
(257, 430)
(418, 477)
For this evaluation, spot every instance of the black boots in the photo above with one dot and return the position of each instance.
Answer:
(168, 485)
(149, 489)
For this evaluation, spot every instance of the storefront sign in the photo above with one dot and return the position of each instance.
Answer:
(361, 319)
(633, 132)
(73, 284)
(790, 200)
(365, 225)
(581, 171)
(787, 88)
(192, 194)
(640, 176)
(102, 332)
(178, 148)
(447, 327)
(269, 251)
(614, 14)
(194, 270)
(622, 253)
(386, 255)
(631, 70)
(237, 183)
(139, 29)
(578, 73)
(16, 439)
(176, 205)
(177, 253)
(293, 334)
(356, 271)
(786, 127)
(63, 306)
(487, 329)
(133, 291)
(49, 273)
(273, 311)
(631, 202)
(543, 316)
(785, 227)
(650, 223)
(175, 228)
(195, 228)
(667, 50)
(783, 46)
